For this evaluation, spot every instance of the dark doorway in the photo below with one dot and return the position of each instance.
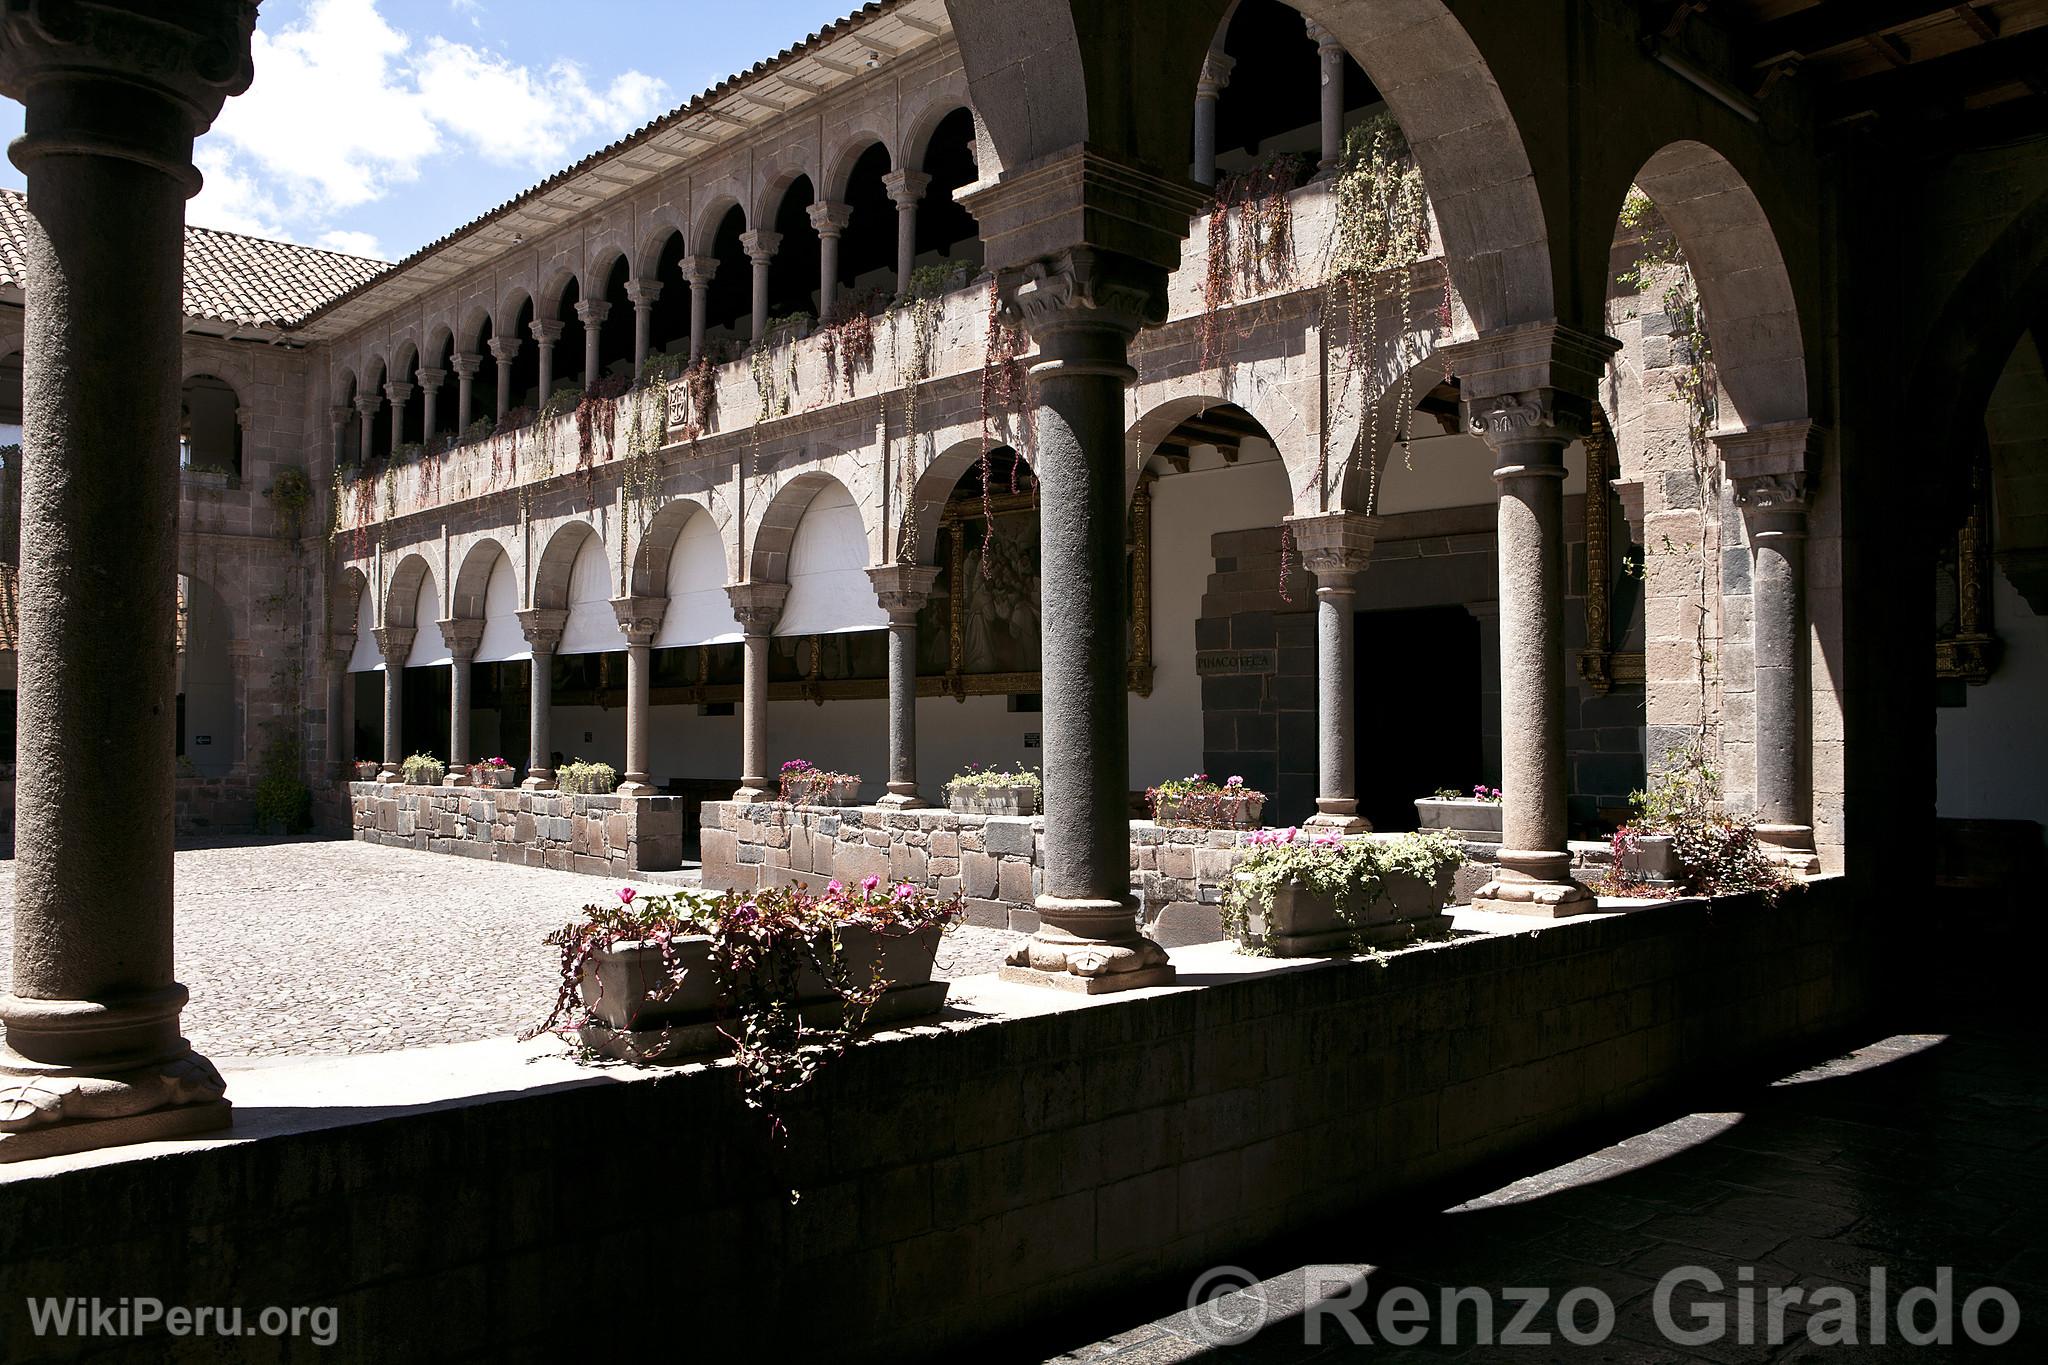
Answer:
(1418, 709)
(424, 724)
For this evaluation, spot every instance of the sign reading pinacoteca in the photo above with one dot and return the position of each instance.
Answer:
(1217, 663)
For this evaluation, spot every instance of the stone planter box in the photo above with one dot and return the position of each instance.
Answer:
(366, 770)
(1652, 859)
(1474, 821)
(1019, 800)
(1239, 813)
(484, 775)
(844, 792)
(639, 1014)
(1301, 923)
(427, 777)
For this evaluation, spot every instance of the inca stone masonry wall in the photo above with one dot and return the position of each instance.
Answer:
(963, 1182)
(609, 835)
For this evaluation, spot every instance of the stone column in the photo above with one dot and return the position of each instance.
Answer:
(1330, 53)
(543, 628)
(341, 703)
(905, 189)
(1336, 547)
(465, 367)
(1082, 311)
(829, 220)
(757, 607)
(504, 350)
(639, 618)
(642, 294)
(592, 313)
(545, 335)
(366, 412)
(463, 635)
(1215, 76)
(400, 393)
(1771, 470)
(337, 418)
(903, 589)
(1528, 391)
(761, 247)
(115, 94)
(697, 273)
(430, 385)
(394, 643)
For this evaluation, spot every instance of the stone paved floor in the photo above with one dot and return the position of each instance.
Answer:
(298, 947)
(1914, 1152)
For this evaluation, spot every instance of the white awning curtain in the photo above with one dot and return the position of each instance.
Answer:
(699, 611)
(593, 626)
(364, 658)
(830, 592)
(429, 647)
(503, 641)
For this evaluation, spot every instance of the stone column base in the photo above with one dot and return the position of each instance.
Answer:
(1535, 882)
(902, 796)
(1790, 847)
(1337, 816)
(49, 1108)
(1121, 960)
(539, 783)
(636, 786)
(752, 796)
(457, 778)
(391, 777)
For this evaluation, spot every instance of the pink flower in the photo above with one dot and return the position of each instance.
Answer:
(626, 894)
(1235, 782)
(835, 887)
(904, 891)
(870, 883)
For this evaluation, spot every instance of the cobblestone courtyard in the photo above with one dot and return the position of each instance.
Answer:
(297, 947)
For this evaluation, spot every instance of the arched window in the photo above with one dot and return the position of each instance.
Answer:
(669, 327)
(867, 249)
(209, 428)
(946, 231)
(729, 302)
(1273, 102)
(829, 588)
(615, 333)
(793, 273)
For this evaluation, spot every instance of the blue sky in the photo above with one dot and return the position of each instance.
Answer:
(375, 126)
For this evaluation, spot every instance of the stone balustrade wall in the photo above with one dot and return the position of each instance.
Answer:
(607, 835)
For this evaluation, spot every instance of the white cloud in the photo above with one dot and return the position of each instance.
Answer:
(346, 108)
(351, 243)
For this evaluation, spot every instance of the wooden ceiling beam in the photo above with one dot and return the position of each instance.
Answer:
(1944, 80)
(1837, 23)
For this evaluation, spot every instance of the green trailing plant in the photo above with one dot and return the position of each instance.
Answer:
(1251, 242)
(284, 803)
(1715, 853)
(583, 778)
(700, 391)
(976, 776)
(1196, 800)
(423, 770)
(764, 945)
(291, 493)
(1351, 873)
(849, 350)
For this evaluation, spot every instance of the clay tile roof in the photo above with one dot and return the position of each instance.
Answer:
(229, 278)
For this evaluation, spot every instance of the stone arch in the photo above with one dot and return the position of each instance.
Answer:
(402, 593)
(551, 572)
(704, 229)
(940, 99)
(648, 575)
(1752, 315)
(934, 487)
(210, 409)
(776, 530)
(847, 151)
(404, 360)
(346, 595)
(469, 337)
(771, 184)
(598, 267)
(547, 303)
(473, 578)
(375, 372)
(506, 319)
(440, 340)
(662, 223)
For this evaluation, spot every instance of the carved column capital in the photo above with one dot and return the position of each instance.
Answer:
(760, 244)
(339, 414)
(1085, 287)
(698, 271)
(1533, 382)
(399, 392)
(906, 187)
(593, 312)
(1094, 200)
(462, 634)
(546, 331)
(1322, 37)
(504, 350)
(1537, 415)
(465, 364)
(829, 219)
(1216, 69)
(643, 293)
(394, 643)
(757, 606)
(543, 627)
(368, 405)
(903, 589)
(1771, 468)
(639, 617)
(430, 380)
(1334, 545)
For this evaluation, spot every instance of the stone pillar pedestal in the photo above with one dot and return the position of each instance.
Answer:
(546, 332)
(115, 95)
(642, 294)
(1336, 547)
(1528, 393)
(830, 220)
(465, 367)
(697, 273)
(757, 607)
(761, 246)
(1215, 76)
(504, 350)
(463, 636)
(1330, 56)
(905, 189)
(543, 629)
(639, 618)
(592, 314)
(394, 643)
(903, 589)
(1771, 470)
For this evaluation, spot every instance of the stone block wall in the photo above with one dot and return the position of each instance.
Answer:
(1261, 725)
(606, 835)
(966, 1182)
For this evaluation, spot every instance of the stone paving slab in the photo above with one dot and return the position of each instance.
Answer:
(323, 947)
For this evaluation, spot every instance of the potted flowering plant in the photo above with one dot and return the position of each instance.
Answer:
(1474, 818)
(1297, 896)
(494, 772)
(366, 769)
(784, 976)
(806, 784)
(423, 770)
(1195, 800)
(582, 778)
(993, 791)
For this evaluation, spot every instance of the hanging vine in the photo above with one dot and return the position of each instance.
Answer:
(1004, 381)
(1251, 242)
(922, 313)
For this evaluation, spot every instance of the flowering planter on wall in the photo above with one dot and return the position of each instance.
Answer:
(1476, 821)
(844, 792)
(367, 770)
(1649, 858)
(1303, 923)
(1020, 800)
(639, 1013)
(484, 775)
(1209, 812)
